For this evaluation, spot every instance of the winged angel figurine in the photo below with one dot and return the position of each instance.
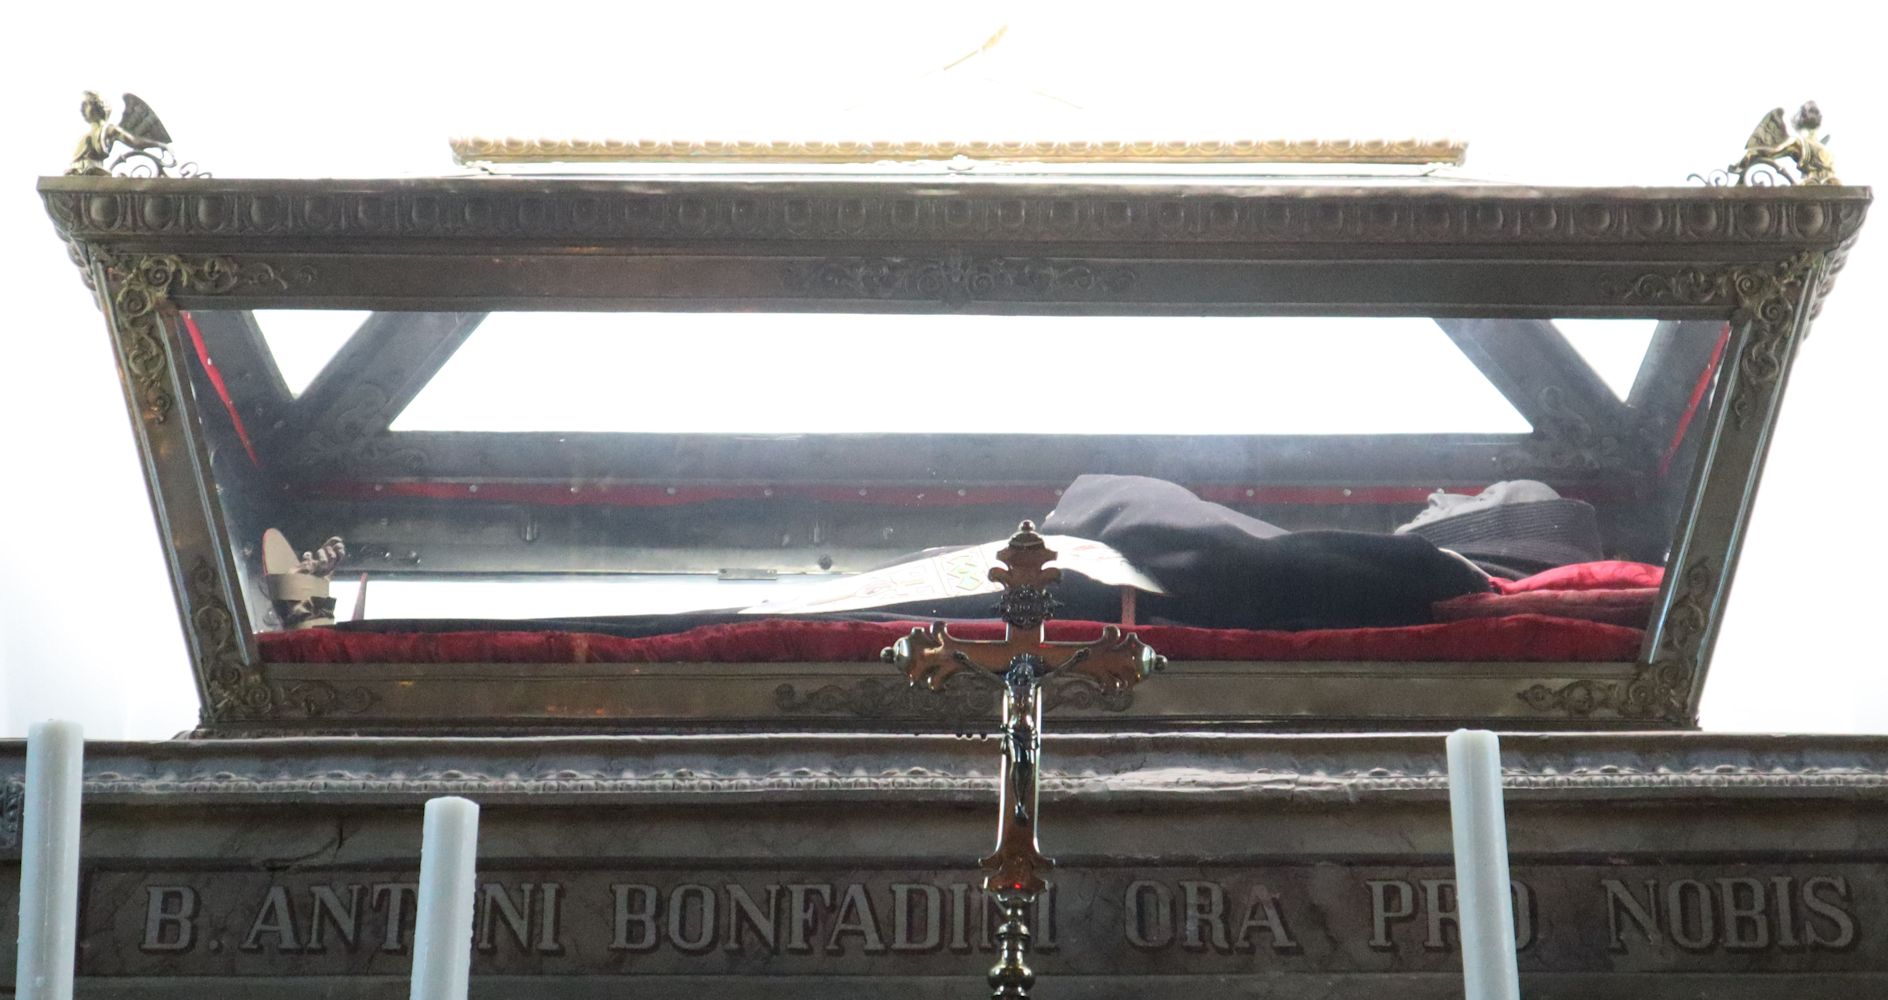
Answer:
(138, 130)
(1773, 143)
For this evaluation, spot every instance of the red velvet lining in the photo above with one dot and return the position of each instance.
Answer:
(1697, 397)
(215, 375)
(1525, 637)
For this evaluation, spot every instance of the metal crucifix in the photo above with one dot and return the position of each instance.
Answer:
(1023, 659)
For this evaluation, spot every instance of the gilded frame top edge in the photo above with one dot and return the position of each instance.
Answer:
(105, 209)
(1417, 152)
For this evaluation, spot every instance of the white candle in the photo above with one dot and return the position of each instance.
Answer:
(442, 931)
(1481, 867)
(49, 861)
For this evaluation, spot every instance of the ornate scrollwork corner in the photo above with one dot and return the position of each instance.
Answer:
(957, 279)
(138, 137)
(1656, 691)
(237, 691)
(1779, 154)
(140, 289)
(1766, 296)
(1660, 689)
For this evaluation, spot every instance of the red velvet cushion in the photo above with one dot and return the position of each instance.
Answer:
(1617, 607)
(1526, 637)
(1590, 612)
(1606, 575)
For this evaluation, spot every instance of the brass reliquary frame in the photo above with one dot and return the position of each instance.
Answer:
(1759, 258)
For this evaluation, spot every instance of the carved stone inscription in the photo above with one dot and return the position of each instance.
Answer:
(1310, 918)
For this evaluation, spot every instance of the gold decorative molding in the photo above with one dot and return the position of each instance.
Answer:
(966, 697)
(914, 211)
(138, 290)
(1658, 688)
(1765, 296)
(141, 287)
(956, 279)
(1422, 152)
(237, 690)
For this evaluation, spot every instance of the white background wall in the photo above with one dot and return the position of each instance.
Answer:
(1591, 93)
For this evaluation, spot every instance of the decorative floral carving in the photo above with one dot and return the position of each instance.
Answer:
(1660, 688)
(238, 692)
(969, 696)
(1765, 297)
(315, 699)
(1025, 606)
(355, 431)
(1565, 439)
(1083, 695)
(1765, 300)
(957, 279)
(235, 691)
(141, 288)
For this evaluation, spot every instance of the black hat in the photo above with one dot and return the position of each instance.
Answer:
(1513, 528)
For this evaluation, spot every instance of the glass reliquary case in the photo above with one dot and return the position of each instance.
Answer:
(692, 448)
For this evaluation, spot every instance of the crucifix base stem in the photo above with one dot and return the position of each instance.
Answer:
(1011, 977)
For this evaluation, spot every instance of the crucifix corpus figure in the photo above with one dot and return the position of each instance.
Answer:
(1023, 659)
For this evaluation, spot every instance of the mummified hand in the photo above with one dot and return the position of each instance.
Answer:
(323, 561)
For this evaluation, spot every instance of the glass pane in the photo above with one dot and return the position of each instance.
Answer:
(749, 373)
(303, 341)
(675, 468)
(1613, 348)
